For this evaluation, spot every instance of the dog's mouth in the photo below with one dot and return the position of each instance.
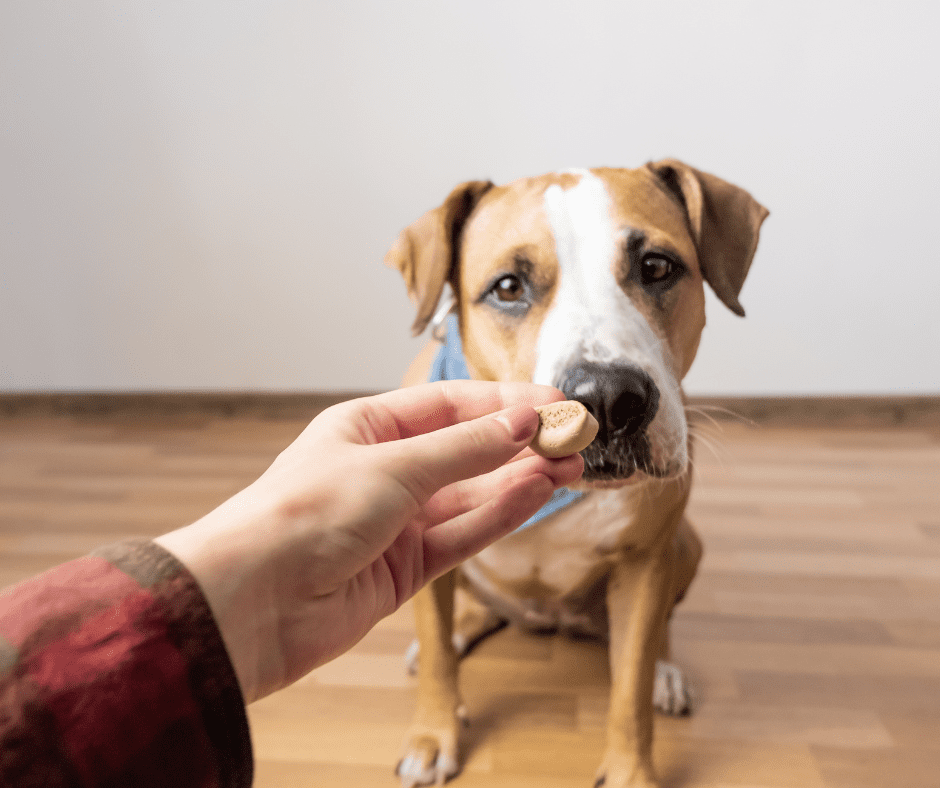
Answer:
(621, 460)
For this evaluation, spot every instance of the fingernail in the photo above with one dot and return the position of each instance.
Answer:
(521, 422)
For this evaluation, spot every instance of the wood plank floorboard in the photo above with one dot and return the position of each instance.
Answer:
(812, 633)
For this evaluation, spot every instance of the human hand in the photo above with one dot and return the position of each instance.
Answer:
(377, 497)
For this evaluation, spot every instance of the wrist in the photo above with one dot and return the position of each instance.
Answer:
(221, 551)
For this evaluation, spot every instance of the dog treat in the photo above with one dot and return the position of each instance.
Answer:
(564, 428)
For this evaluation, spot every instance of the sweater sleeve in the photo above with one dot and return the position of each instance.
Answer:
(113, 672)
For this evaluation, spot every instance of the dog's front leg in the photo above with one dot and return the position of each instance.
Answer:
(638, 603)
(430, 752)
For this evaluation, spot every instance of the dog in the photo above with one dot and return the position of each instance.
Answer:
(591, 281)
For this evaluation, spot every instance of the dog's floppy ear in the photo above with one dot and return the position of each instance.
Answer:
(426, 251)
(725, 222)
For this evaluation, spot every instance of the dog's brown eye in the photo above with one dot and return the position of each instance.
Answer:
(509, 288)
(656, 269)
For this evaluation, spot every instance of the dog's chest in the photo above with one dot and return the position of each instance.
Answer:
(545, 575)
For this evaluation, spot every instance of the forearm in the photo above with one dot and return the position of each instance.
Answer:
(112, 671)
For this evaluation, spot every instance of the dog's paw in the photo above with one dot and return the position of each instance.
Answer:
(426, 762)
(430, 754)
(619, 770)
(671, 692)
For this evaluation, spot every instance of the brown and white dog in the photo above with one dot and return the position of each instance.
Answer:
(590, 281)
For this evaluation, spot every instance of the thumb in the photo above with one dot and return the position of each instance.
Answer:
(436, 459)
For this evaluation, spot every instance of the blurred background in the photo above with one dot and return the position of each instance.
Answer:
(199, 196)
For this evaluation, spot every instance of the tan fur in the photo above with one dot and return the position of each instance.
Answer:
(617, 562)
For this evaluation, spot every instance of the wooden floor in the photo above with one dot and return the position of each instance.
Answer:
(812, 633)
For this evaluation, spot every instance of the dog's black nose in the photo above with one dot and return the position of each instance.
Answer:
(623, 399)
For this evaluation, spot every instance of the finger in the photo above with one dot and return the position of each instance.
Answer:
(455, 541)
(418, 410)
(426, 463)
(464, 496)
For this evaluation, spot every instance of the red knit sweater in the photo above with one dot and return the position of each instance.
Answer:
(113, 673)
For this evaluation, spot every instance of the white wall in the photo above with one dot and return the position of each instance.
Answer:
(198, 195)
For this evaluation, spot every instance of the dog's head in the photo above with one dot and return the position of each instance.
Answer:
(590, 281)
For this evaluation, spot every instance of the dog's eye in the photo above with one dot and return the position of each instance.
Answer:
(509, 294)
(654, 268)
(509, 288)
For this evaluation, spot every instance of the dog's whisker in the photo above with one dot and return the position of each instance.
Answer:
(707, 431)
(715, 448)
(694, 411)
(701, 408)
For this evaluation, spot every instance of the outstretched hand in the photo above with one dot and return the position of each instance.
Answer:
(375, 498)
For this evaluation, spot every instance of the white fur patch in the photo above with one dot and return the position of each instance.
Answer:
(671, 692)
(592, 318)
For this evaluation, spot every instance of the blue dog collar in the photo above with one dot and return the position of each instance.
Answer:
(449, 364)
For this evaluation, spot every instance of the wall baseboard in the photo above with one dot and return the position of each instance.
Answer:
(811, 411)
(825, 411)
(271, 405)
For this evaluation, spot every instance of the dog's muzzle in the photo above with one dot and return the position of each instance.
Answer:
(624, 400)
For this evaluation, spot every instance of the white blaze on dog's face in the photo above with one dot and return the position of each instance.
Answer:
(589, 281)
